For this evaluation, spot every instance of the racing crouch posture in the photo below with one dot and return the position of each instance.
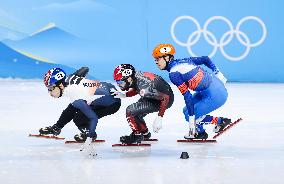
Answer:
(156, 96)
(90, 101)
(210, 92)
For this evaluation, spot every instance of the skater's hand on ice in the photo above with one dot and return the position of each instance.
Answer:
(192, 127)
(192, 130)
(157, 124)
(116, 94)
(220, 76)
(191, 133)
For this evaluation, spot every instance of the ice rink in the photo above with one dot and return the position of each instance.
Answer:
(251, 152)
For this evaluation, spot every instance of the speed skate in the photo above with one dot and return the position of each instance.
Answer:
(197, 140)
(145, 142)
(212, 140)
(46, 136)
(80, 142)
(130, 145)
(227, 128)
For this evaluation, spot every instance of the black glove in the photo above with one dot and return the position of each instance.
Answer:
(82, 72)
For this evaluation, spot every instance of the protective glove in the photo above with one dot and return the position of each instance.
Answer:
(157, 124)
(116, 94)
(220, 76)
(192, 128)
(82, 72)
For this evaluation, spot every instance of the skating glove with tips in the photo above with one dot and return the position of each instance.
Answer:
(220, 76)
(192, 128)
(117, 94)
(157, 124)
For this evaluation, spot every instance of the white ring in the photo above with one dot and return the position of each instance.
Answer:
(241, 56)
(224, 40)
(212, 36)
(264, 33)
(189, 18)
(211, 19)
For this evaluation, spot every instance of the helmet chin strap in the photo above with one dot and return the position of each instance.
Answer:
(130, 85)
(127, 86)
(65, 84)
(134, 81)
(61, 90)
(167, 62)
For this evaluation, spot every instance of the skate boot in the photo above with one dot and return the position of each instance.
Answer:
(224, 123)
(146, 135)
(54, 130)
(132, 138)
(201, 135)
(81, 137)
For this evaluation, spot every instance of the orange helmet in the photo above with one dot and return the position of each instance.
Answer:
(163, 50)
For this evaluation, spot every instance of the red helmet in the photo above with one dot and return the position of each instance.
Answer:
(123, 71)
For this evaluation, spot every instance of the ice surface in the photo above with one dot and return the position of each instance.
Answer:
(251, 152)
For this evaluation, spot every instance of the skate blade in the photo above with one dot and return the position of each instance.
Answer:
(228, 127)
(150, 140)
(125, 145)
(76, 142)
(197, 140)
(46, 136)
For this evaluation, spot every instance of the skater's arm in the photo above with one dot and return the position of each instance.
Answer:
(176, 79)
(82, 72)
(76, 77)
(153, 93)
(131, 92)
(164, 104)
(207, 62)
(204, 60)
(87, 111)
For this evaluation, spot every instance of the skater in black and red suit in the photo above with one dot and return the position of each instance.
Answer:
(156, 96)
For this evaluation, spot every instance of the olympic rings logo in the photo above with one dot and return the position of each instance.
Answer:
(225, 39)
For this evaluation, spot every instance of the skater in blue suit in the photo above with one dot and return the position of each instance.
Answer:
(203, 92)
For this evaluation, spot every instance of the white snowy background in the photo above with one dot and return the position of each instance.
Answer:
(251, 152)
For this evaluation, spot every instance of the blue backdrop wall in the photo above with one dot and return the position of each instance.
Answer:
(243, 38)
